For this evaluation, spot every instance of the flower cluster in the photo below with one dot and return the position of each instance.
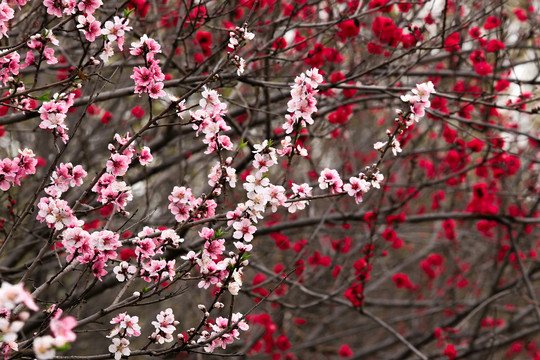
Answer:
(164, 327)
(96, 248)
(221, 324)
(235, 39)
(330, 179)
(114, 31)
(56, 212)
(54, 113)
(418, 103)
(13, 170)
(357, 186)
(184, 206)
(62, 334)
(70, 7)
(214, 267)
(209, 120)
(64, 177)
(11, 297)
(109, 189)
(148, 243)
(6, 14)
(303, 103)
(89, 26)
(149, 78)
(220, 173)
(125, 326)
(38, 42)
(9, 66)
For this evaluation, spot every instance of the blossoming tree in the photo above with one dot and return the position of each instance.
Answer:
(284, 180)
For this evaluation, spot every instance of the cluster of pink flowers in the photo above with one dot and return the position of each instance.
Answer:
(13, 170)
(220, 172)
(62, 334)
(299, 191)
(418, 103)
(9, 66)
(11, 297)
(357, 186)
(96, 248)
(6, 14)
(228, 337)
(214, 267)
(69, 7)
(419, 100)
(164, 327)
(109, 189)
(89, 26)
(112, 191)
(158, 270)
(114, 31)
(209, 120)
(56, 212)
(235, 39)
(330, 179)
(54, 113)
(125, 326)
(303, 103)
(148, 243)
(38, 42)
(64, 177)
(149, 78)
(184, 206)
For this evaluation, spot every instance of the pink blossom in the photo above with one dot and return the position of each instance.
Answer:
(48, 54)
(244, 229)
(55, 212)
(120, 347)
(356, 187)
(145, 157)
(13, 295)
(90, 27)
(164, 327)
(214, 248)
(61, 328)
(89, 6)
(330, 178)
(118, 164)
(54, 7)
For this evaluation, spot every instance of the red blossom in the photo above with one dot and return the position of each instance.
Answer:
(348, 29)
(450, 351)
(452, 42)
(492, 22)
(345, 351)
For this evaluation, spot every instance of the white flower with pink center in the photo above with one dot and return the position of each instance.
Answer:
(244, 229)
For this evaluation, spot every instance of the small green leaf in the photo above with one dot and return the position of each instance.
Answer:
(219, 233)
(242, 144)
(45, 97)
(63, 347)
(127, 12)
